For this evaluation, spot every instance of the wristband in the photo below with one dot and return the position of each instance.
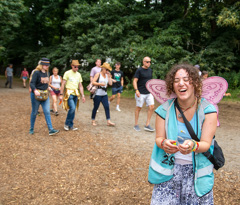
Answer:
(135, 89)
(163, 142)
(196, 146)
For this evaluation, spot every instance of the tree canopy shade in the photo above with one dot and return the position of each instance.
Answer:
(204, 32)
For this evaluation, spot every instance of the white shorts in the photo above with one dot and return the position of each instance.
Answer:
(148, 98)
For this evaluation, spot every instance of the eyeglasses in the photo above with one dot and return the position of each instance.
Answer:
(148, 61)
(75, 66)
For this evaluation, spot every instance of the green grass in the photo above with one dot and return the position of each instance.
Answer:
(125, 94)
(235, 95)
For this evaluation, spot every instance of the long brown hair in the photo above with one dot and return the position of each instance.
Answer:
(39, 67)
(194, 78)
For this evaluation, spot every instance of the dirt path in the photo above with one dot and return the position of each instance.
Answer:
(95, 165)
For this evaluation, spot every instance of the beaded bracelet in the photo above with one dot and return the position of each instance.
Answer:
(163, 142)
(195, 146)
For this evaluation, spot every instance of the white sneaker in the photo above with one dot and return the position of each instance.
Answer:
(73, 128)
(66, 127)
(118, 109)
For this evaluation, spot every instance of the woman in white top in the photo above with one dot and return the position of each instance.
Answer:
(101, 80)
(55, 84)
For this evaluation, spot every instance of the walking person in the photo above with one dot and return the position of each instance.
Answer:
(72, 81)
(142, 75)
(39, 83)
(117, 86)
(30, 89)
(24, 76)
(9, 75)
(94, 70)
(55, 84)
(101, 80)
(179, 170)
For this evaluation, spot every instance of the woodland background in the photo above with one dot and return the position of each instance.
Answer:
(204, 32)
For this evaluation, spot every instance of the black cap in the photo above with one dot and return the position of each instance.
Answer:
(45, 61)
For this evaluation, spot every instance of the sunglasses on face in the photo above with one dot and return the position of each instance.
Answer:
(148, 61)
(75, 66)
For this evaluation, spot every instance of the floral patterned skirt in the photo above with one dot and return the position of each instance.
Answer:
(180, 189)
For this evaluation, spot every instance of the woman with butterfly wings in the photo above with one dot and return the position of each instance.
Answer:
(179, 170)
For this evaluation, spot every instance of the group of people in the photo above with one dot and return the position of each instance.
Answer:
(179, 170)
(69, 90)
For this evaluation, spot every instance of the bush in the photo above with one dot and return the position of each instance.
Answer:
(232, 78)
(85, 77)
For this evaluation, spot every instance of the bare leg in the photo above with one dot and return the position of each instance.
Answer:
(112, 98)
(54, 103)
(24, 83)
(137, 111)
(118, 98)
(149, 114)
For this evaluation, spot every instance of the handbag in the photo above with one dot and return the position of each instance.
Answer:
(92, 88)
(217, 158)
(43, 95)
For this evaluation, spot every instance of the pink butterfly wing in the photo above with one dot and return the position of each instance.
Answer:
(159, 90)
(213, 90)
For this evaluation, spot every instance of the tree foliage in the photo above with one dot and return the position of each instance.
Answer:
(204, 32)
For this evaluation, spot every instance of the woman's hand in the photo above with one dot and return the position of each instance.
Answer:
(109, 74)
(102, 84)
(186, 147)
(36, 93)
(169, 146)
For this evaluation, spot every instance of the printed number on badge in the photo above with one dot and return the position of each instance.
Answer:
(168, 160)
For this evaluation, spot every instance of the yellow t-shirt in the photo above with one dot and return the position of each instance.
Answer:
(73, 79)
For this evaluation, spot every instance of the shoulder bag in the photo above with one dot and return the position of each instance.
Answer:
(217, 159)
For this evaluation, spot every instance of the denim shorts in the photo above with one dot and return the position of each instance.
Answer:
(117, 90)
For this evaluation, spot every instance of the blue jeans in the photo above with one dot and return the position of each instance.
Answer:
(104, 100)
(72, 103)
(45, 106)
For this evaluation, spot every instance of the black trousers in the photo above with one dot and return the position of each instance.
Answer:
(9, 80)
